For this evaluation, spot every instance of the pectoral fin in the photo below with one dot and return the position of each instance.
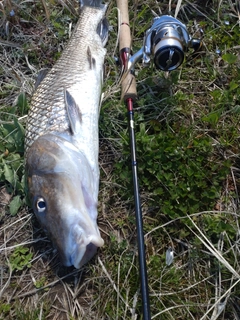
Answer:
(73, 112)
(91, 59)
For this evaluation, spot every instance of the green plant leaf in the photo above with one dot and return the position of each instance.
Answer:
(21, 258)
(212, 118)
(8, 173)
(22, 103)
(229, 58)
(233, 85)
(15, 204)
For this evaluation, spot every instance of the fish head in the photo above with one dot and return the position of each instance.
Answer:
(63, 194)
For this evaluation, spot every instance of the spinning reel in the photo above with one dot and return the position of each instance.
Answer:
(166, 40)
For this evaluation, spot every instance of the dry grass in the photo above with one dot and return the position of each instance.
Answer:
(203, 281)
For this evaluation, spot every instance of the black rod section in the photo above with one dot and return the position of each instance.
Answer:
(138, 213)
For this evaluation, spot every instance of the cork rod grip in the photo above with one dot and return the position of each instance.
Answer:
(129, 90)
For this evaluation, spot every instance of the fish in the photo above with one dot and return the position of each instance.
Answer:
(62, 142)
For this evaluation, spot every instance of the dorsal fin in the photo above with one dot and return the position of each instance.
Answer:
(41, 75)
(73, 112)
(102, 30)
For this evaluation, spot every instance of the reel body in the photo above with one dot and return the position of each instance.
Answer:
(166, 40)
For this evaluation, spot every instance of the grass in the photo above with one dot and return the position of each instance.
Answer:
(187, 133)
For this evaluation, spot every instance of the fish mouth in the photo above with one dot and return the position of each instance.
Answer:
(83, 247)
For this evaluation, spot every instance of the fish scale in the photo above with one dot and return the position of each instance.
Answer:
(61, 140)
(48, 111)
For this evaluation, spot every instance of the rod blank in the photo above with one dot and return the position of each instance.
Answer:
(129, 95)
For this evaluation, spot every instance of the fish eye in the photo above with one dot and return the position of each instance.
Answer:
(41, 205)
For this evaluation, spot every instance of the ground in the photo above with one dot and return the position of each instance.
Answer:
(187, 137)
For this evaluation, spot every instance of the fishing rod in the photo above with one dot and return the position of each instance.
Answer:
(129, 95)
(166, 42)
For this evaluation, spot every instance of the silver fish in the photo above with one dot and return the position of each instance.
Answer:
(61, 142)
